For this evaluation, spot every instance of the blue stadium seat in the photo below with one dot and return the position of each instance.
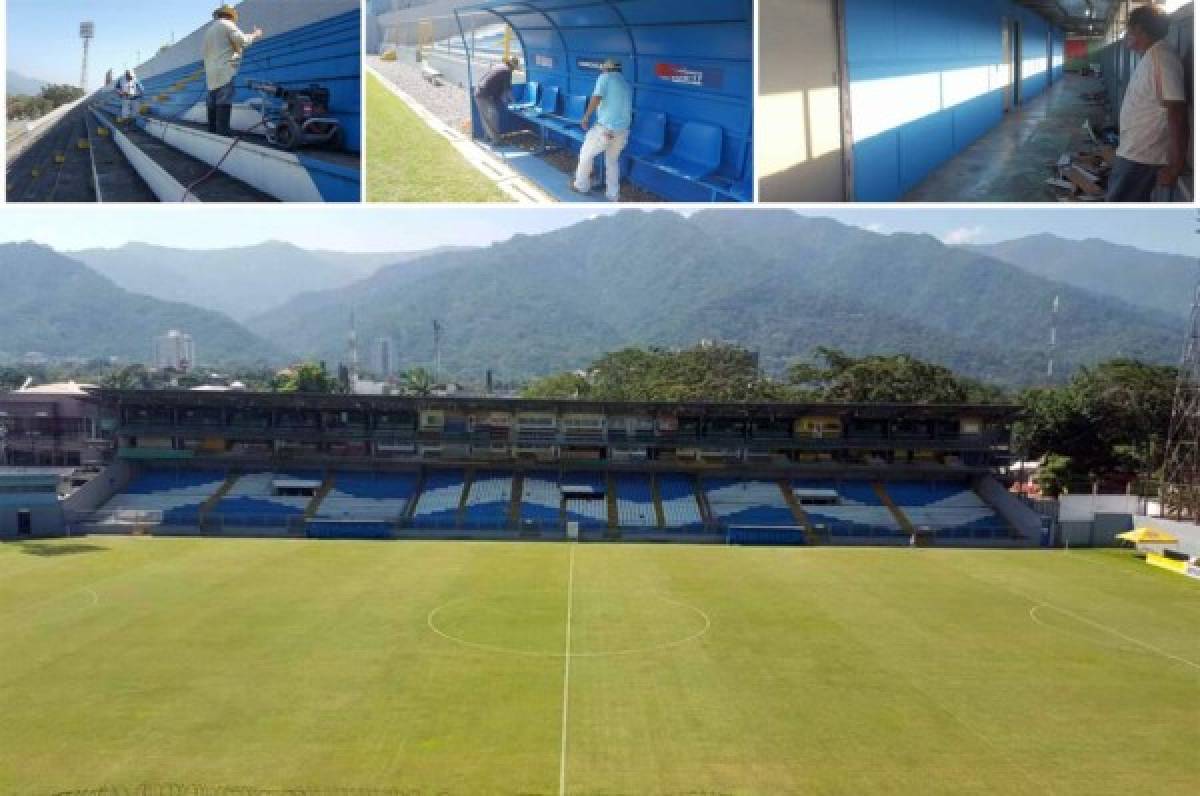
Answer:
(696, 153)
(548, 104)
(525, 96)
(649, 134)
(568, 123)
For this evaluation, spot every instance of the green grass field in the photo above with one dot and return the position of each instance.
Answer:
(442, 668)
(408, 162)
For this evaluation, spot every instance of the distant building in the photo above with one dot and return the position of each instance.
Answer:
(51, 425)
(383, 357)
(35, 359)
(174, 350)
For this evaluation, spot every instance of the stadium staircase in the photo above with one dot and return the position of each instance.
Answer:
(659, 514)
(706, 512)
(610, 497)
(1000, 514)
(314, 505)
(901, 518)
(465, 497)
(207, 507)
(514, 504)
(810, 533)
(410, 510)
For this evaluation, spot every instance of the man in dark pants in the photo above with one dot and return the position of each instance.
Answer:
(491, 94)
(223, 46)
(1154, 123)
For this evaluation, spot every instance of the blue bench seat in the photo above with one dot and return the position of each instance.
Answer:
(696, 154)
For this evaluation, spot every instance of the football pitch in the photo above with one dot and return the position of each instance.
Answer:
(307, 667)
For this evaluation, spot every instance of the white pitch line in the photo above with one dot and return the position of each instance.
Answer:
(566, 700)
(1113, 631)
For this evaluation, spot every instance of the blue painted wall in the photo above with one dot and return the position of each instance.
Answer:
(927, 80)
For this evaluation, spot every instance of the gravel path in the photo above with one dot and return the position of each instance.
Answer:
(447, 102)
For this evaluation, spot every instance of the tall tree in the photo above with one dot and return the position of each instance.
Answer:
(309, 377)
(1110, 419)
(898, 379)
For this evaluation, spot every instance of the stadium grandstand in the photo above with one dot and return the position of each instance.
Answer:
(356, 467)
(690, 65)
(85, 153)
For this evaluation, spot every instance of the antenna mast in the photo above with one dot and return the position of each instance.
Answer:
(437, 352)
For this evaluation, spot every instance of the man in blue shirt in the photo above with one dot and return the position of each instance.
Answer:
(612, 105)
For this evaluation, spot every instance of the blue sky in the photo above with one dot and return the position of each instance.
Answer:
(413, 228)
(43, 35)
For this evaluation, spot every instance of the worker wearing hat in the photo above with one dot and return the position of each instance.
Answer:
(492, 92)
(223, 46)
(612, 106)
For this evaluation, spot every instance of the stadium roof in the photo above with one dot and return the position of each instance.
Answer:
(313, 401)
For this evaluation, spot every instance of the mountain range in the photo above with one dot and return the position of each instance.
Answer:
(772, 280)
(239, 282)
(1152, 280)
(16, 83)
(58, 306)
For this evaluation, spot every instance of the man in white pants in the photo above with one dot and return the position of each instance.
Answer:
(612, 105)
(128, 89)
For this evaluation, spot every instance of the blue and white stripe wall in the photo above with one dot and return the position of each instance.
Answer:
(928, 78)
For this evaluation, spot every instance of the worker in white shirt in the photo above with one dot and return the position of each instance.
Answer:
(224, 43)
(128, 89)
(1154, 114)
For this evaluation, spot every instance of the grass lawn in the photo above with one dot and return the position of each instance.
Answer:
(408, 162)
(441, 668)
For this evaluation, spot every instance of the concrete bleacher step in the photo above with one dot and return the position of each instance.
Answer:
(802, 518)
(116, 179)
(901, 518)
(197, 177)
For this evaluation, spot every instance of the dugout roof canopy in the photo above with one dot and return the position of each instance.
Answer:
(690, 59)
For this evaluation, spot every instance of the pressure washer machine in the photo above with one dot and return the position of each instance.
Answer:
(298, 117)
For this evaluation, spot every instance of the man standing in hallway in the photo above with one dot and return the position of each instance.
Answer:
(491, 94)
(223, 46)
(1154, 123)
(612, 105)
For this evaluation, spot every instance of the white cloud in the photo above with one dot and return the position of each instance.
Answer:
(961, 235)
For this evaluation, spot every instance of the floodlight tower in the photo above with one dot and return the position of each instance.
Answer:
(87, 32)
(1180, 488)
